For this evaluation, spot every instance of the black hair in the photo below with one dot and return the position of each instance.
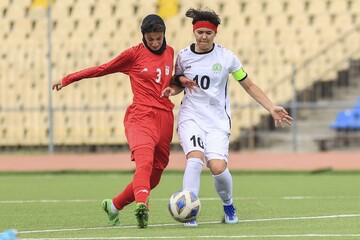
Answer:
(203, 15)
(152, 23)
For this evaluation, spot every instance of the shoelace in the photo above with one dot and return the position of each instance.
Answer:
(229, 210)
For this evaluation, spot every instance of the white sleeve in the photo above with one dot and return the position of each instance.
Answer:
(178, 67)
(235, 63)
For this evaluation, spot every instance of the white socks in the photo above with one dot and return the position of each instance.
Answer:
(223, 185)
(191, 180)
(223, 181)
(113, 208)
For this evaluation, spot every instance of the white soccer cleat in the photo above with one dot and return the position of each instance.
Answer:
(10, 234)
(192, 223)
(230, 215)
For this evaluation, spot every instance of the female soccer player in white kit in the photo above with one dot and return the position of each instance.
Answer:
(204, 120)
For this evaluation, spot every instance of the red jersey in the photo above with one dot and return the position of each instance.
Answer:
(149, 74)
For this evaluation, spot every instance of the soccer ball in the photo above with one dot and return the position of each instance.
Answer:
(184, 206)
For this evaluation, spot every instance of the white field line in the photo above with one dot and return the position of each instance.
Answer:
(202, 199)
(319, 197)
(48, 201)
(310, 235)
(201, 223)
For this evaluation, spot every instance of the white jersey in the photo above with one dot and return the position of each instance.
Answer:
(209, 107)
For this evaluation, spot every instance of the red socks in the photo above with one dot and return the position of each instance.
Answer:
(145, 178)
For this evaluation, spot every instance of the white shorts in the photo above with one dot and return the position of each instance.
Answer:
(214, 144)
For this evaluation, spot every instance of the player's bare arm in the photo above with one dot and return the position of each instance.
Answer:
(279, 114)
(57, 85)
(184, 82)
(171, 90)
(189, 84)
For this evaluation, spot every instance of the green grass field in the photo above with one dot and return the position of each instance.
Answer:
(269, 205)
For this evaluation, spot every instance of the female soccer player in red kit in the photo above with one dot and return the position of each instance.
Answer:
(148, 120)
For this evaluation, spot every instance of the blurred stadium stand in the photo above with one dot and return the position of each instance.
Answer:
(309, 49)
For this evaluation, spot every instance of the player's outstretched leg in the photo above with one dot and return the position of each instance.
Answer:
(10, 234)
(142, 215)
(113, 217)
(230, 214)
(192, 223)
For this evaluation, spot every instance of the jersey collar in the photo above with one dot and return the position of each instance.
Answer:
(192, 48)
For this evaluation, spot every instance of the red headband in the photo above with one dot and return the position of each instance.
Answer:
(204, 24)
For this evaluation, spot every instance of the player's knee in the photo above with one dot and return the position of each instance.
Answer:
(217, 167)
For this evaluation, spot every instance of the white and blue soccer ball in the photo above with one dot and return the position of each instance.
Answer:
(184, 206)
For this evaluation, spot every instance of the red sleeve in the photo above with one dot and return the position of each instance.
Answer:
(122, 63)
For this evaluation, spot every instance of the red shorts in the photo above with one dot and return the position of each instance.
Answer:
(149, 127)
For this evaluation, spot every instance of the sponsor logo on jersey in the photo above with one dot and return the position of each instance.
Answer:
(188, 67)
(217, 68)
(167, 70)
(144, 70)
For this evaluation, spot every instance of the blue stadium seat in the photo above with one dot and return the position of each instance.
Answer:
(347, 120)
(342, 121)
(355, 124)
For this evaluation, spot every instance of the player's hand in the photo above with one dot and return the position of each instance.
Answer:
(280, 116)
(168, 91)
(189, 84)
(57, 85)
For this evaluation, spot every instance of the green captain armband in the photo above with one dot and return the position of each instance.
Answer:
(239, 75)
